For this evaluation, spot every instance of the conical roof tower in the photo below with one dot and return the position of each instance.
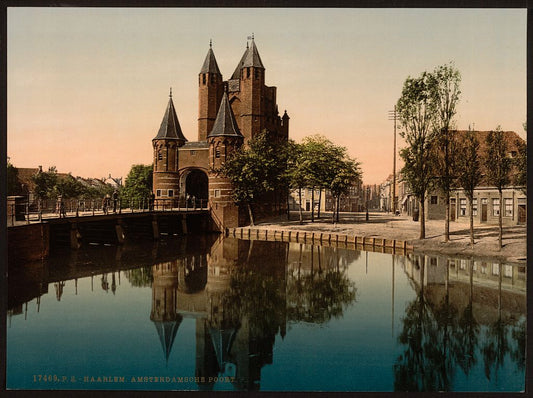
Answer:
(225, 123)
(170, 128)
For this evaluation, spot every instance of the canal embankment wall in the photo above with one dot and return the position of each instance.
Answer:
(322, 239)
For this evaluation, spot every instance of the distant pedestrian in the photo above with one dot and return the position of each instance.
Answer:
(106, 203)
(194, 201)
(61, 206)
(115, 200)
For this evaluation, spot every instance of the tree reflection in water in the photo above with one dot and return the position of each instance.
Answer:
(319, 290)
(262, 294)
(439, 339)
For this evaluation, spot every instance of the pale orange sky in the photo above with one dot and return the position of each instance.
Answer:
(88, 87)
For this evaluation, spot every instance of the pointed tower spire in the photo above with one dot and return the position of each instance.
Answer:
(170, 126)
(225, 123)
(252, 56)
(210, 63)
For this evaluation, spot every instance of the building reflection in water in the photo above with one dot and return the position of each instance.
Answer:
(466, 311)
(242, 294)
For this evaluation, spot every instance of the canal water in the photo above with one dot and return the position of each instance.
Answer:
(206, 313)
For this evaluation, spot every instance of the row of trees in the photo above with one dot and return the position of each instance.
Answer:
(267, 165)
(49, 185)
(436, 158)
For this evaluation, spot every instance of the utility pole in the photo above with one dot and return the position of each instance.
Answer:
(393, 116)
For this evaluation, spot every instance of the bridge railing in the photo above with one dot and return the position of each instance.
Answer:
(24, 211)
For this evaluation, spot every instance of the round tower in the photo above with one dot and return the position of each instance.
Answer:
(166, 163)
(210, 90)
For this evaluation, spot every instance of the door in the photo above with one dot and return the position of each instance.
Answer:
(452, 211)
(483, 212)
(521, 214)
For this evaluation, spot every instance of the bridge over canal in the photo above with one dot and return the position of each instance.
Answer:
(33, 235)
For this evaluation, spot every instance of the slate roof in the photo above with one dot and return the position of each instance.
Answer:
(225, 124)
(170, 126)
(249, 58)
(252, 57)
(210, 64)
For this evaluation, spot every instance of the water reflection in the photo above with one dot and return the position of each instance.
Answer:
(462, 315)
(456, 316)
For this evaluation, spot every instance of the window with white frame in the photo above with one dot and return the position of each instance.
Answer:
(462, 207)
(158, 192)
(474, 207)
(217, 193)
(508, 271)
(495, 269)
(496, 206)
(171, 193)
(508, 207)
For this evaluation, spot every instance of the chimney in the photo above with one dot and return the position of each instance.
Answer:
(40, 169)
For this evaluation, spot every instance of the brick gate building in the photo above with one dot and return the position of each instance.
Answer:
(230, 113)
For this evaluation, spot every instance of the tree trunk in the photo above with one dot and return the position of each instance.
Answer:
(288, 207)
(471, 221)
(447, 218)
(300, 205)
(313, 205)
(319, 202)
(338, 206)
(500, 221)
(333, 212)
(422, 219)
(250, 213)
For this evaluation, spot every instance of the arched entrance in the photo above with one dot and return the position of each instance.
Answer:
(196, 184)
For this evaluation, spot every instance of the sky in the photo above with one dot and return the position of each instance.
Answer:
(88, 87)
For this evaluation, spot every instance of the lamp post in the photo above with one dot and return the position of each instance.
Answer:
(367, 197)
(393, 116)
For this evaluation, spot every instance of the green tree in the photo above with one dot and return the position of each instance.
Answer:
(520, 163)
(443, 84)
(498, 167)
(138, 184)
(256, 170)
(344, 172)
(296, 171)
(469, 172)
(319, 155)
(68, 187)
(45, 183)
(415, 110)
(14, 186)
